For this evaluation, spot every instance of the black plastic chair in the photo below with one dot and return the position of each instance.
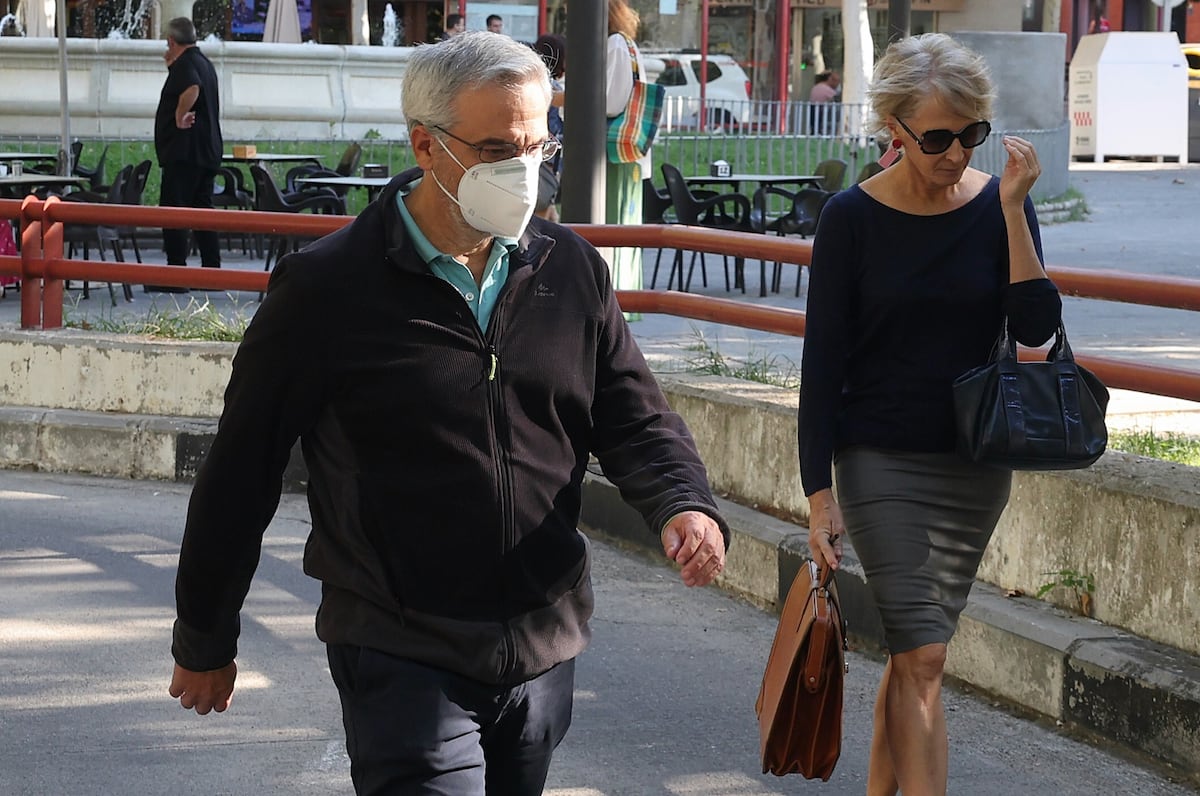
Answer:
(93, 174)
(83, 235)
(655, 204)
(346, 167)
(832, 173)
(802, 221)
(730, 211)
(868, 171)
(230, 193)
(131, 194)
(269, 198)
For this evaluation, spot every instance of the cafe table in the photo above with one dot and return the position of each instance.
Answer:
(32, 157)
(373, 185)
(735, 180)
(17, 187)
(272, 157)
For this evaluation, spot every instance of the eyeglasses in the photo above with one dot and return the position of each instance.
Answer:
(935, 142)
(495, 152)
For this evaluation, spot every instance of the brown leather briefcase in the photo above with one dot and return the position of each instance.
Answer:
(800, 704)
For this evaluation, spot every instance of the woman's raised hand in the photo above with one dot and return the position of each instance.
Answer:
(1021, 171)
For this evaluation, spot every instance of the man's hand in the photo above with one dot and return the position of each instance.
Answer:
(204, 691)
(693, 540)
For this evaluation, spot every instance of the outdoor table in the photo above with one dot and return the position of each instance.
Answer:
(17, 187)
(271, 157)
(763, 180)
(32, 157)
(373, 184)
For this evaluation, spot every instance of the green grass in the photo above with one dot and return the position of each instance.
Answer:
(198, 320)
(705, 358)
(1168, 446)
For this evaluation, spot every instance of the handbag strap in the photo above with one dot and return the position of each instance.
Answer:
(633, 59)
(1067, 379)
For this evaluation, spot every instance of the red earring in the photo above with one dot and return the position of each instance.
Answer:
(892, 154)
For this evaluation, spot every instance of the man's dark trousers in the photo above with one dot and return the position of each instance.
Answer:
(415, 730)
(187, 185)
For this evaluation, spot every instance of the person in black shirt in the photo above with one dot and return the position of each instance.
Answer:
(455, 24)
(187, 139)
(913, 272)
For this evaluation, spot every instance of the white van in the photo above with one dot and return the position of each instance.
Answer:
(726, 93)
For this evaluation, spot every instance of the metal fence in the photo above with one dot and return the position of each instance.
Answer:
(752, 136)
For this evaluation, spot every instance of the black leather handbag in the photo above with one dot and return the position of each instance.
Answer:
(1031, 415)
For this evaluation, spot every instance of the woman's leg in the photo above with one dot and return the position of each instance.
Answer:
(915, 721)
(881, 774)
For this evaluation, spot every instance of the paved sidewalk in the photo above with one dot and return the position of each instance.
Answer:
(664, 700)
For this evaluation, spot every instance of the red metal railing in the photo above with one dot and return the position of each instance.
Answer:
(42, 268)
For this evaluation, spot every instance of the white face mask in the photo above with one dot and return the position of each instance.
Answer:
(497, 198)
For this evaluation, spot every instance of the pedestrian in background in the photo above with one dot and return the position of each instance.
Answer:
(552, 47)
(449, 366)
(454, 25)
(624, 180)
(187, 141)
(495, 23)
(913, 272)
(823, 110)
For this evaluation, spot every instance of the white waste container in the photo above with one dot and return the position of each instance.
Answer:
(1128, 97)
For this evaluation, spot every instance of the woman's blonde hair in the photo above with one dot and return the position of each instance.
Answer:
(931, 65)
(622, 18)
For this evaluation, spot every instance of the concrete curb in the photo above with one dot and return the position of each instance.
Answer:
(1134, 692)
(1137, 693)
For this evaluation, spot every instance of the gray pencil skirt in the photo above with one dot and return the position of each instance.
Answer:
(919, 523)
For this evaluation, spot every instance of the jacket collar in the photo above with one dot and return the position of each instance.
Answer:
(532, 248)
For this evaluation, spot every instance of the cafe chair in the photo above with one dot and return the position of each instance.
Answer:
(346, 167)
(832, 173)
(93, 174)
(229, 193)
(655, 204)
(807, 205)
(270, 199)
(868, 171)
(729, 211)
(83, 235)
(131, 194)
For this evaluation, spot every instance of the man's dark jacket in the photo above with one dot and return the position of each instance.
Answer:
(445, 464)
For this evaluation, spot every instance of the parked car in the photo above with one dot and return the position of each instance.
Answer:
(726, 93)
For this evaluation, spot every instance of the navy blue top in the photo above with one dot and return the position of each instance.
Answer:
(899, 306)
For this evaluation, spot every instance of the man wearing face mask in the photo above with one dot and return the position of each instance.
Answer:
(448, 365)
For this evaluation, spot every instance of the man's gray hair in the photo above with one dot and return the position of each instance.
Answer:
(181, 31)
(439, 73)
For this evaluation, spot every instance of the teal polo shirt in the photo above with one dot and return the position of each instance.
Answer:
(480, 298)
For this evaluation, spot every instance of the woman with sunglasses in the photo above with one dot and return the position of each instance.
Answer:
(913, 272)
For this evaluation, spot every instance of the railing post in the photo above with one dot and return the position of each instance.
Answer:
(52, 287)
(31, 250)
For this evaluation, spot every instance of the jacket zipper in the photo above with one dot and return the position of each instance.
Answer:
(503, 478)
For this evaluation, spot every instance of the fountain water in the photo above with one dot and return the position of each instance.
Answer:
(11, 20)
(132, 22)
(391, 28)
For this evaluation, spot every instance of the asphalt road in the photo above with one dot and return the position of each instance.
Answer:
(664, 696)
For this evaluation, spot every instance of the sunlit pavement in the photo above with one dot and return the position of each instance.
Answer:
(663, 705)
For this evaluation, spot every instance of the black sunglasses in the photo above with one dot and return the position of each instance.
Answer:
(935, 142)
